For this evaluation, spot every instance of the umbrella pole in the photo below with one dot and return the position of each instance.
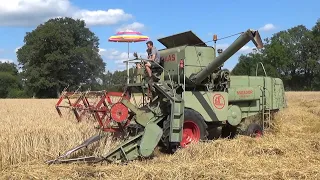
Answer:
(128, 66)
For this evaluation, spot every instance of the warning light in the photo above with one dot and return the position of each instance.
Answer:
(181, 64)
(215, 37)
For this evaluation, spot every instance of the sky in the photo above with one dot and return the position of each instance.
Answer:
(155, 19)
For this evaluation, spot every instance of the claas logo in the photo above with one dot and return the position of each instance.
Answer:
(170, 57)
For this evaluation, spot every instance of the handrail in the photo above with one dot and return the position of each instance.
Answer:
(262, 67)
(142, 61)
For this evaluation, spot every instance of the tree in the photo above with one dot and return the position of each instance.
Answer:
(289, 52)
(292, 55)
(61, 52)
(314, 45)
(9, 79)
(9, 67)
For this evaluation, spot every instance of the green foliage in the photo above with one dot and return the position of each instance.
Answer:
(115, 81)
(9, 67)
(9, 79)
(17, 93)
(292, 55)
(59, 53)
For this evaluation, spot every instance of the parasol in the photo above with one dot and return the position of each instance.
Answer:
(128, 37)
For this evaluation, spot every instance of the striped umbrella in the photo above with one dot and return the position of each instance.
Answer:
(128, 37)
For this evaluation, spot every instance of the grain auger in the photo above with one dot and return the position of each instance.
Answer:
(193, 99)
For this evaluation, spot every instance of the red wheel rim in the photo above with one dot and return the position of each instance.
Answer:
(258, 133)
(191, 133)
(119, 112)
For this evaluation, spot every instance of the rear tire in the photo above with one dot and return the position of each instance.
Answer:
(194, 130)
(254, 130)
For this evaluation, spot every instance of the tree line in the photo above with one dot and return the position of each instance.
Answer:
(63, 52)
(292, 55)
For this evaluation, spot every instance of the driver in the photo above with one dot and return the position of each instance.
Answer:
(153, 56)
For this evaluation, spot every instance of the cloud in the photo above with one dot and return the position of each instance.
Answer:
(101, 51)
(222, 46)
(99, 17)
(6, 60)
(34, 12)
(17, 49)
(244, 50)
(267, 27)
(116, 57)
(136, 26)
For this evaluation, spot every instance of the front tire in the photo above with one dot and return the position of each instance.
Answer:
(194, 130)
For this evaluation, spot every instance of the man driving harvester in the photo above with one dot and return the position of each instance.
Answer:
(153, 56)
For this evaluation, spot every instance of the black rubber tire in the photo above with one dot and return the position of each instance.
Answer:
(252, 129)
(191, 115)
(228, 131)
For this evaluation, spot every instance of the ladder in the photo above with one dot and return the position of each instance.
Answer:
(264, 106)
(265, 109)
(177, 112)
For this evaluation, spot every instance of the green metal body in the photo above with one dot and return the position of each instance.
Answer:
(192, 82)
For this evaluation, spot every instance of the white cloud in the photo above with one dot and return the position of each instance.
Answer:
(17, 49)
(6, 60)
(267, 27)
(99, 17)
(117, 57)
(101, 51)
(34, 12)
(136, 26)
(222, 46)
(244, 50)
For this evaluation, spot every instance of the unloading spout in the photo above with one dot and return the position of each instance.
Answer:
(231, 50)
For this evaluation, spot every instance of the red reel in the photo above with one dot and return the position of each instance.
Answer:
(112, 113)
(119, 112)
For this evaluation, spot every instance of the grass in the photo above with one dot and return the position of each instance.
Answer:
(32, 132)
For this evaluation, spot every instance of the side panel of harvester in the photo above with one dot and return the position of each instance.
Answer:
(213, 106)
(279, 100)
(195, 58)
(247, 92)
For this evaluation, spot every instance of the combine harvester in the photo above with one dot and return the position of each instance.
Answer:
(193, 99)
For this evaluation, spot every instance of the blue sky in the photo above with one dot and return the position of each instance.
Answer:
(154, 19)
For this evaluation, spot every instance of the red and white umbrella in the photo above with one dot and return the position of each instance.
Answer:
(128, 37)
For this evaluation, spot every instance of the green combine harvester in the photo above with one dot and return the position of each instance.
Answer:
(192, 99)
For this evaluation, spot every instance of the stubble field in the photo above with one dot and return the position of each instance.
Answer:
(32, 132)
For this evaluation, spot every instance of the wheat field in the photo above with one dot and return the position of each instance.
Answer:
(32, 132)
